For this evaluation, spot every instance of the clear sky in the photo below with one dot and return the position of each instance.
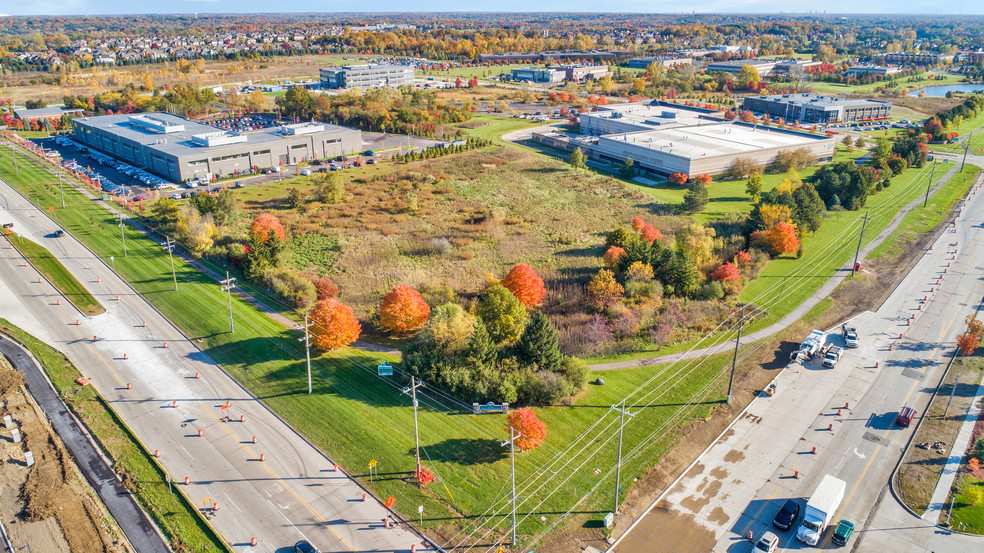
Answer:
(70, 7)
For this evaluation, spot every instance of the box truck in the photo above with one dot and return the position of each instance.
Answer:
(820, 509)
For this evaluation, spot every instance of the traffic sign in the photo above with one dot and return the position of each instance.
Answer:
(372, 463)
(384, 369)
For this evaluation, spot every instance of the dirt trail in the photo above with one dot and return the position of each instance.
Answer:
(49, 506)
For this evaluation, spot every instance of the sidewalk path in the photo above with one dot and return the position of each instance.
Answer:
(131, 518)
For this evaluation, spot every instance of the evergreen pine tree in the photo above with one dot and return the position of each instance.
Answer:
(538, 345)
(481, 348)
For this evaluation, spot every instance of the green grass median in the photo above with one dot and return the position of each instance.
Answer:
(59, 277)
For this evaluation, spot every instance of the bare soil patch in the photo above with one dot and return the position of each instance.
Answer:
(49, 506)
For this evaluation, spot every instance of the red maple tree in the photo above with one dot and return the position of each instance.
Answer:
(968, 342)
(725, 273)
(782, 238)
(525, 284)
(650, 234)
(325, 288)
(531, 430)
(263, 224)
(638, 223)
(333, 325)
(704, 178)
(403, 310)
(679, 178)
(613, 255)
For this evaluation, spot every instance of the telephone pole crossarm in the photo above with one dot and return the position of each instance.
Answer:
(307, 348)
(227, 285)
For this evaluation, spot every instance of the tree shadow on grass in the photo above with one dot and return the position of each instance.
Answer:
(580, 252)
(477, 451)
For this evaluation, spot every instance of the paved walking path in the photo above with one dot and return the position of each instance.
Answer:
(131, 518)
(794, 315)
(937, 503)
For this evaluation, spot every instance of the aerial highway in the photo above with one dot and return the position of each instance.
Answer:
(279, 489)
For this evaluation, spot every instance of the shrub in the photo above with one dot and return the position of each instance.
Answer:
(613, 256)
(679, 178)
(603, 291)
(296, 289)
(325, 289)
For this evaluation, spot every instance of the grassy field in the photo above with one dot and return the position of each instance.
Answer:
(492, 127)
(370, 418)
(173, 513)
(964, 129)
(837, 88)
(58, 275)
(923, 219)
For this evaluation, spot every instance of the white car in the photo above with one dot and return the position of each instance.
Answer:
(192, 184)
(175, 196)
(305, 172)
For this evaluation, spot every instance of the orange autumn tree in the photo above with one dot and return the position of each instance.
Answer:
(263, 225)
(638, 223)
(967, 343)
(531, 430)
(726, 273)
(613, 256)
(679, 178)
(333, 325)
(782, 238)
(650, 234)
(403, 310)
(525, 284)
(325, 288)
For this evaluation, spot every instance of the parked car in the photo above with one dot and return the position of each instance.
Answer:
(239, 184)
(305, 172)
(139, 198)
(368, 153)
(176, 196)
(787, 515)
(842, 533)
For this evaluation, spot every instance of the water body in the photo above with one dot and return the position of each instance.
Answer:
(940, 91)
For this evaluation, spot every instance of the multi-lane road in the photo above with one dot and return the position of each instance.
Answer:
(847, 413)
(280, 489)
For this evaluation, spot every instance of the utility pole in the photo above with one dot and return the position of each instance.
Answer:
(512, 476)
(227, 285)
(930, 183)
(857, 252)
(966, 142)
(62, 188)
(412, 390)
(169, 245)
(119, 214)
(13, 154)
(734, 360)
(618, 464)
(307, 346)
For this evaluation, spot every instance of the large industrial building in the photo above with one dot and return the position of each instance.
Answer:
(763, 67)
(179, 149)
(665, 138)
(367, 76)
(815, 108)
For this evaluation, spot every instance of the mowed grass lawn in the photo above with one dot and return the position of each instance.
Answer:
(58, 275)
(356, 416)
(492, 127)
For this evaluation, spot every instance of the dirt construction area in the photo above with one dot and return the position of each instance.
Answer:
(49, 506)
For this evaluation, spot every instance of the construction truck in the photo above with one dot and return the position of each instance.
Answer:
(820, 509)
(850, 336)
(832, 356)
(810, 346)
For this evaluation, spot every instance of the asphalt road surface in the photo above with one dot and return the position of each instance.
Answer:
(847, 413)
(292, 494)
(124, 508)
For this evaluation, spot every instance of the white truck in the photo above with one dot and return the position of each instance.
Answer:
(832, 356)
(810, 346)
(820, 508)
(850, 336)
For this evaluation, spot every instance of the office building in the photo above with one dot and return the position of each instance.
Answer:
(665, 61)
(179, 149)
(536, 75)
(367, 76)
(816, 108)
(581, 72)
(764, 67)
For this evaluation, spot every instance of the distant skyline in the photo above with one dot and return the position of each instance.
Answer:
(104, 7)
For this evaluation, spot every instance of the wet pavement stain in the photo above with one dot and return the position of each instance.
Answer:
(733, 456)
(696, 471)
(718, 516)
(719, 473)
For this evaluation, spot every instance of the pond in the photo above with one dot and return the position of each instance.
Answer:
(940, 91)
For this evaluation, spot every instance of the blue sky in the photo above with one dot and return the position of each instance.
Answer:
(67, 7)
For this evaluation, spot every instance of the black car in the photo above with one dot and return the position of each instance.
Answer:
(304, 546)
(787, 515)
(59, 233)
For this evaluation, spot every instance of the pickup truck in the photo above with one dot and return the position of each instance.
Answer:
(850, 336)
(832, 357)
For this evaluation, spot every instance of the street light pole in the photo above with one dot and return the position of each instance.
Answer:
(734, 360)
(169, 245)
(119, 214)
(227, 285)
(857, 252)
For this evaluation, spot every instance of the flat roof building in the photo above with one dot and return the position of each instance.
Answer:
(816, 108)
(912, 58)
(537, 75)
(665, 61)
(764, 67)
(555, 55)
(367, 76)
(665, 138)
(180, 149)
(581, 72)
(794, 66)
(856, 70)
(45, 113)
